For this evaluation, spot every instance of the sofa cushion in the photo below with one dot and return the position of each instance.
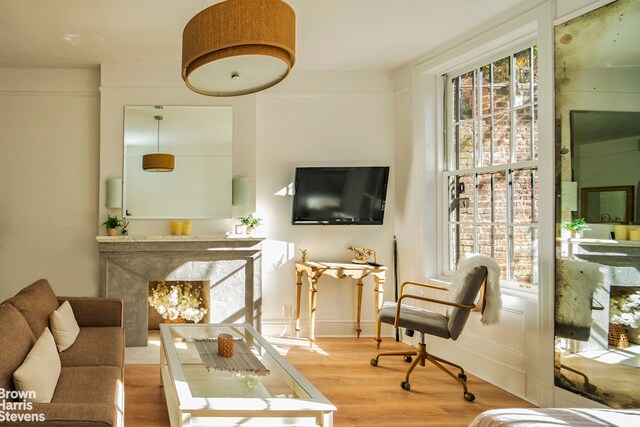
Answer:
(86, 396)
(17, 341)
(99, 346)
(40, 370)
(36, 302)
(88, 384)
(64, 327)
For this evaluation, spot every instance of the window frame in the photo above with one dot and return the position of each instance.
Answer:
(449, 168)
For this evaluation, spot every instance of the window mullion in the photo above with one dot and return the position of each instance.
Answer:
(475, 213)
(512, 108)
(532, 108)
(510, 222)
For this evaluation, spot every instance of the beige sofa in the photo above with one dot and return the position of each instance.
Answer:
(90, 388)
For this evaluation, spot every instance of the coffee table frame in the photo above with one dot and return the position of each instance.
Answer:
(186, 410)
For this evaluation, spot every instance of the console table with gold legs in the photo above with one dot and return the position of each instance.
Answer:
(314, 270)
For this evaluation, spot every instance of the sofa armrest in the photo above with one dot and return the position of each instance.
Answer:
(96, 311)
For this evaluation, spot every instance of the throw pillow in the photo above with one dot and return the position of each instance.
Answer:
(64, 327)
(40, 370)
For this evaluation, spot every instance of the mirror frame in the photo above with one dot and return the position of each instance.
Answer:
(222, 198)
(629, 201)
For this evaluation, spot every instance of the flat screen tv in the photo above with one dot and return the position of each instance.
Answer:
(340, 195)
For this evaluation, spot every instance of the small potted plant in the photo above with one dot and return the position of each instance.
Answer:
(111, 224)
(577, 226)
(250, 222)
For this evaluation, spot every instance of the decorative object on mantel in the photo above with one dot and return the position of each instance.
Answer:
(111, 224)
(238, 229)
(178, 300)
(186, 227)
(158, 162)
(176, 227)
(621, 232)
(124, 231)
(362, 255)
(237, 47)
(251, 222)
(577, 227)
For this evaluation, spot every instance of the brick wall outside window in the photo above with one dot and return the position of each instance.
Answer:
(492, 164)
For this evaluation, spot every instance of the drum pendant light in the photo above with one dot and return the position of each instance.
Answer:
(238, 47)
(158, 162)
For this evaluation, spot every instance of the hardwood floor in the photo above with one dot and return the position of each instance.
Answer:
(364, 395)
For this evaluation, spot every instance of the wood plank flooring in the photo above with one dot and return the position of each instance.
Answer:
(364, 395)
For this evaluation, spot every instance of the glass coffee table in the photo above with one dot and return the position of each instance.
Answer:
(255, 387)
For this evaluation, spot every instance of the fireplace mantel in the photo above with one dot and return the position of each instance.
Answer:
(232, 265)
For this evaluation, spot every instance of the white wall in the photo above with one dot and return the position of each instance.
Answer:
(48, 170)
(312, 118)
(321, 119)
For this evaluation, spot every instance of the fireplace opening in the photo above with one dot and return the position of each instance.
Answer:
(178, 301)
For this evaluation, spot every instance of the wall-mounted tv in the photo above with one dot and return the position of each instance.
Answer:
(340, 195)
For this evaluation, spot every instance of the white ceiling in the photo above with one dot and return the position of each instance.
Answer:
(331, 34)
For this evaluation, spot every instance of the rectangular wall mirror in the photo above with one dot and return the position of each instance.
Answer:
(597, 286)
(200, 139)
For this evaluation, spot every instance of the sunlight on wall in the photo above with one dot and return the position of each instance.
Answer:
(276, 253)
(285, 191)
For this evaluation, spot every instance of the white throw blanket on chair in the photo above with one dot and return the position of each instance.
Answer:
(492, 294)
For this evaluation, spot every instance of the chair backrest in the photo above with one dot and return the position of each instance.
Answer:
(466, 295)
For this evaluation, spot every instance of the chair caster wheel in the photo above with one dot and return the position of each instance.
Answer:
(407, 359)
(405, 385)
(469, 397)
(374, 362)
(590, 388)
(463, 377)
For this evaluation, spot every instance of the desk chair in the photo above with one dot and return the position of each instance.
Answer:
(448, 326)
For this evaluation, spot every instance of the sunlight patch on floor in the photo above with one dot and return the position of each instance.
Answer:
(284, 344)
(629, 356)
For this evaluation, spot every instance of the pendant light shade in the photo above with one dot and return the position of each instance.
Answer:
(238, 47)
(158, 162)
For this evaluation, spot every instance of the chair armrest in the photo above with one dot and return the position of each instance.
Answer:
(96, 311)
(421, 298)
(421, 284)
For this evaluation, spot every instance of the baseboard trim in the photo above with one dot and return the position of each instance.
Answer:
(492, 369)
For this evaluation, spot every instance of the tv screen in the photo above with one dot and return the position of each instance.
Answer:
(340, 195)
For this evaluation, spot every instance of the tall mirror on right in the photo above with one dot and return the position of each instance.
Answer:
(597, 305)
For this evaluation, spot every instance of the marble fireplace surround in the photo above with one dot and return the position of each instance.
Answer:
(231, 265)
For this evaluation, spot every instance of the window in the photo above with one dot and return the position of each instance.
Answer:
(491, 170)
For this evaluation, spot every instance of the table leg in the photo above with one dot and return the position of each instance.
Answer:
(360, 285)
(298, 294)
(379, 296)
(162, 362)
(312, 308)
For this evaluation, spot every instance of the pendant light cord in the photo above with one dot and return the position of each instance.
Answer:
(158, 118)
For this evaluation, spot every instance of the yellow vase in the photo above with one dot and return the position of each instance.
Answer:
(186, 227)
(176, 227)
